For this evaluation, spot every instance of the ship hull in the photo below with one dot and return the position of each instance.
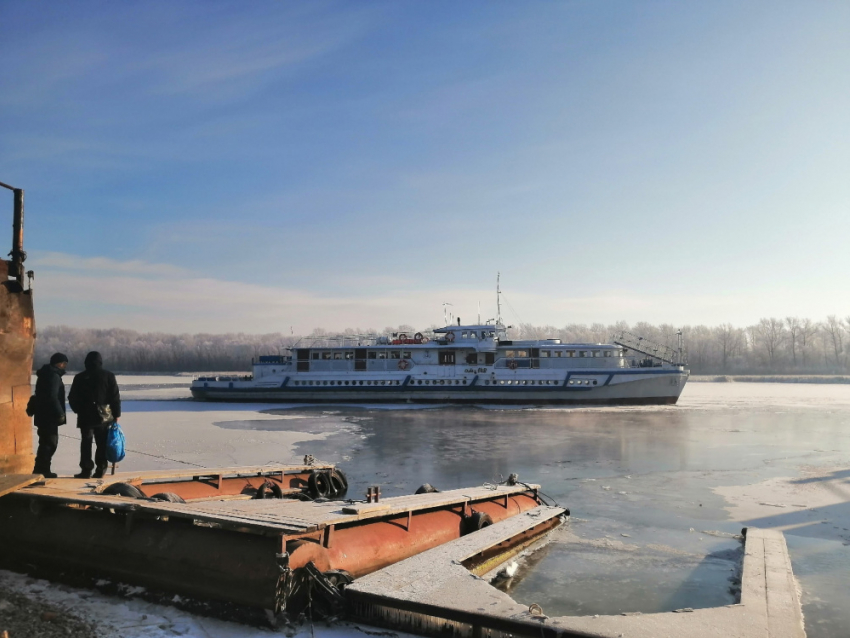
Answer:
(629, 388)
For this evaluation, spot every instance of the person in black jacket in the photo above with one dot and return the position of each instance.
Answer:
(92, 388)
(49, 411)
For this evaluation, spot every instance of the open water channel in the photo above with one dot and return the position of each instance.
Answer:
(658, 495)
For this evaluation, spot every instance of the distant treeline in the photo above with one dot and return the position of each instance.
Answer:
(772, 346)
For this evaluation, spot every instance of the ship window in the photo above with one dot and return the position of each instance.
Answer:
(522, 353)
(582, 353)
(509, 381)
(395, 354)
(545, 353)
(326, 355)
(373, 355)
(597, 353)
(557, 353)
(368, 383)
(427, 382)
(472, 335)
(406, 354)
(382, 354)
(486, 382)
(472, 358)
(346, 383)
(464, 334)
(316, 355)
(594, 382)
(571, 353)
(349, 354)
(489, 358)
(510, 353)
(338, 355)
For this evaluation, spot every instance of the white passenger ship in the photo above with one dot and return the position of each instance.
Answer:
(460, 364)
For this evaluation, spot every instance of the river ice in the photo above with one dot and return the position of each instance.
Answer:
(657, 494)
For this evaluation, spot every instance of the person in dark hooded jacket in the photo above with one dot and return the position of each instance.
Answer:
(49, 411)
(92, 388)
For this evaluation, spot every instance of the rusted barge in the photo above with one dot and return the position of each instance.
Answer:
(225, 543)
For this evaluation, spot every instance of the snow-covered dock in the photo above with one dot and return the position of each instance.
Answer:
(436, 593)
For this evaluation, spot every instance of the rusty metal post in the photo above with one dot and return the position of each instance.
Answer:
(18, 255)
(17, 339)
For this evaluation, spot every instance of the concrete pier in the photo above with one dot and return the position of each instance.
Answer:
(434, 593)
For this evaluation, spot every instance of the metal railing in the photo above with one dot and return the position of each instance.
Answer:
(648, 347)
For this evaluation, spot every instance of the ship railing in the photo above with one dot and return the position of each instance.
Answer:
(648, 347)
(351, 341)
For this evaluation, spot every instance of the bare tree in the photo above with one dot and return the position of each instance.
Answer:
(794, 326)
(808, 330)
(771, 332)
(729, 339)
(833, 329)
(812, 346)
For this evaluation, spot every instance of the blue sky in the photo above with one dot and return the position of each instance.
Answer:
(259, 166)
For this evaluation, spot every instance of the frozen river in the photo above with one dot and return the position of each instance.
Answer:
(657, 495)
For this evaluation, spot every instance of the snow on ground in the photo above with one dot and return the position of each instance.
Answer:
(818, 497)
(132, 617)
(158, 437)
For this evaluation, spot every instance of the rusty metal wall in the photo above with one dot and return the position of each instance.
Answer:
(17, 339)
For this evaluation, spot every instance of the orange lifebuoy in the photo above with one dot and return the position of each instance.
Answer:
(403, 364)
(512, 364)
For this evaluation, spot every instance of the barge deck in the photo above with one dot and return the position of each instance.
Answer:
(224, 543)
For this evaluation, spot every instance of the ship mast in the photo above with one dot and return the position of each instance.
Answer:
(498, 300)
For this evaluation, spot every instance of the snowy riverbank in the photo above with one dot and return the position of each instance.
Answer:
(769, 378)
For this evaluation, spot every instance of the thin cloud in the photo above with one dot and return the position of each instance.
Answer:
(103, 293)
(66, 263)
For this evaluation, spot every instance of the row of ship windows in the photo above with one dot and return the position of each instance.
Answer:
(472, 334)
(348, 355)
(519, 354)
(511, 354)
(449, 382)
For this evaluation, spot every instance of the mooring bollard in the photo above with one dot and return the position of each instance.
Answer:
(373, 494)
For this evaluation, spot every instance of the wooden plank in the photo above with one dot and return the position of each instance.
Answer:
(403, 504)
(368, 508)
(286, 515)
(12, 482)
(247, 471)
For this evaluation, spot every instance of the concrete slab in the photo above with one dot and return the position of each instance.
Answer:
(434, 593)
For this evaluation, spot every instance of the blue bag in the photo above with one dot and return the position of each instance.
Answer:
(114, 443)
